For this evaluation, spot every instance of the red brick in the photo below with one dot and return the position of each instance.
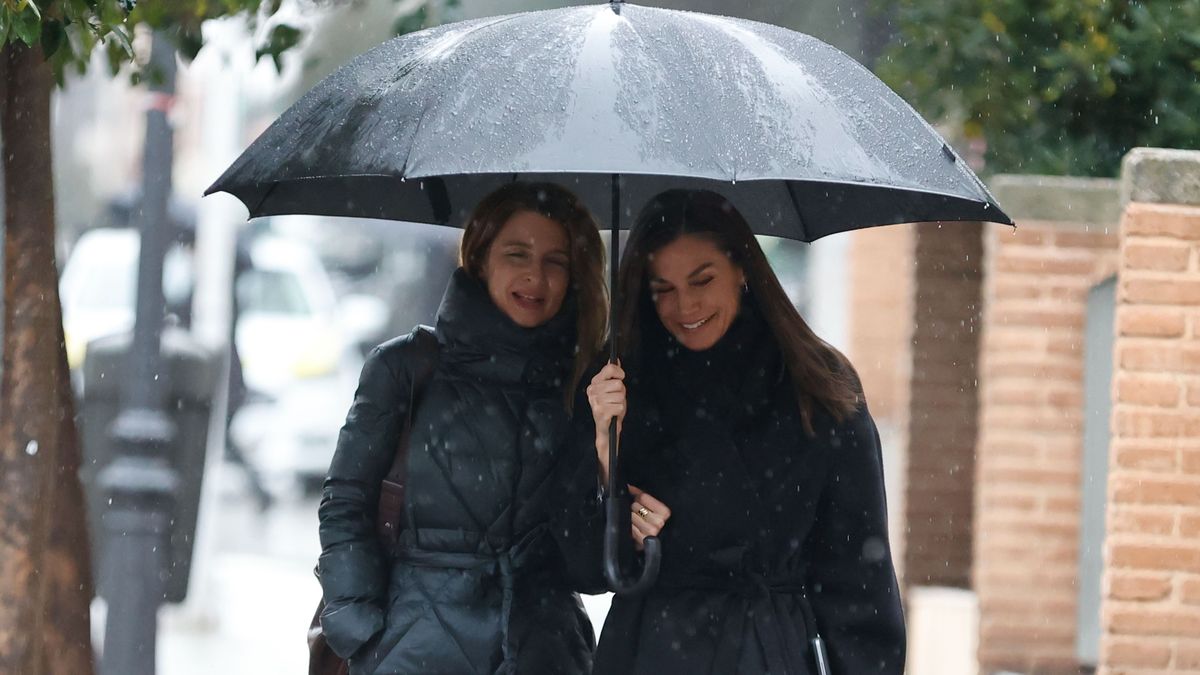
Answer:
(1166, 557)
(1150, 322)
(1092, 240)
(1042, 262)
(1189, 525)
(1187, 656)
(1160, 257)
(1127, 586)
(1158, 622)
(1136, 456)
(1011, 289)
(1127, 520)
(1179, 358)
(1022, 235)
(1153, 424)
(1149, 391)
(1125, 652)
(1189, 591)
(1157, 291)
(1146, 490)
(1191, 461)
(1161, 220)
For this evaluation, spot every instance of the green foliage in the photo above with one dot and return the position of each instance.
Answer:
(1054, 86)
(70, 31)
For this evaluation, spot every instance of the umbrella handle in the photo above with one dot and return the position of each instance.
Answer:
(652, 551)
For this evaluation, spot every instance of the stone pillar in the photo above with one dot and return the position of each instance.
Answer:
(1150, 615)
(1027, 499)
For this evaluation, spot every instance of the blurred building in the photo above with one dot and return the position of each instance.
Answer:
(1043, 391)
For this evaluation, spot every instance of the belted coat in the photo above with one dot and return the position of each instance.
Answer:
(477, 584)
(775, 534)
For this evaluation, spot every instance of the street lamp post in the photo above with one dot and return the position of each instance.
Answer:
(140, 481)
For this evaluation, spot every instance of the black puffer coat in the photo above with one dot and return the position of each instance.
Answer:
(478, 585)
(770, 526)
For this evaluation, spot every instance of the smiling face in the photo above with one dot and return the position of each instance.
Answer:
(697, 290)
(527, 268)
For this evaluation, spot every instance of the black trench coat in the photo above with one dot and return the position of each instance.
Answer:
(764, 519)
(478, 585)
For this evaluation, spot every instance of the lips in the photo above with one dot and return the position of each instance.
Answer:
(698, 324)
(530, 302)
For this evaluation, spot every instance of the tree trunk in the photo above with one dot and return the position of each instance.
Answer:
(45, 575)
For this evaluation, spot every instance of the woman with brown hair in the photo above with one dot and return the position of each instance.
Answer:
(751, 454)
(477, 583)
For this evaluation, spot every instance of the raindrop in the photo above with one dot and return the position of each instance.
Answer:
(31, 448)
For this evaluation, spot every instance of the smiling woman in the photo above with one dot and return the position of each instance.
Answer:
(473, 421)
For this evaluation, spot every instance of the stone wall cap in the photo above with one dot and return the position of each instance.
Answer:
(1094, 201)
(1161, 176)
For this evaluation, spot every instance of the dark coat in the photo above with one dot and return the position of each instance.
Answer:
(478, 584)
(763, 517)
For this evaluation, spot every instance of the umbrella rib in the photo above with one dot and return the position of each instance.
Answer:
(796, 205)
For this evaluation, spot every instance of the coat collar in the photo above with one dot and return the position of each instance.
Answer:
(481, 341)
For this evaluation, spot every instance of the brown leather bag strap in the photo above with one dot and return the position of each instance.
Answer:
(422, 357)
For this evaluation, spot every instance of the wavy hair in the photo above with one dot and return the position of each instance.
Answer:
(586, 253)
(820, 374)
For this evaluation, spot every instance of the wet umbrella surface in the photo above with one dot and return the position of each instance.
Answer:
(617, 102)
(803, 140)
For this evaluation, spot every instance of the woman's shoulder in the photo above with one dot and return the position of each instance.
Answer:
(403, 357)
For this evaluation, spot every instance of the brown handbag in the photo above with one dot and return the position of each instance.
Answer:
(321, 658)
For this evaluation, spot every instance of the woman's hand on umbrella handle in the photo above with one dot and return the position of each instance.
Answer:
(649, 516)
(606, 396)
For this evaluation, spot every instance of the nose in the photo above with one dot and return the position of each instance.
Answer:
(689, 301)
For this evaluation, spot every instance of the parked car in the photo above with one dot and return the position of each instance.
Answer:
(296, 359)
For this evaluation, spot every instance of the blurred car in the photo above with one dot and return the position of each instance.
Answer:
(294, 344)
(99, 281)
(296, 362)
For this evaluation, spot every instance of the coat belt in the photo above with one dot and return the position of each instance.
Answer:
(505, 564)
(762, 601)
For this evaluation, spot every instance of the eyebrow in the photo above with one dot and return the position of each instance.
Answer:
(513, 243)
(696, 271)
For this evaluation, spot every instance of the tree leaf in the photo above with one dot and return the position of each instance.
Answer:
(281, 38)
(53, 36)
(27, 28)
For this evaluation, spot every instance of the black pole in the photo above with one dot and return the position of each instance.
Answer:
(140, 482)
(613, 534)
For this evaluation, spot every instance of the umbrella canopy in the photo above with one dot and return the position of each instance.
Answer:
(617, 102)
(802, 139)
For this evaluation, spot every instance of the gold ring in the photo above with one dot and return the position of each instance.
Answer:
(643, 512)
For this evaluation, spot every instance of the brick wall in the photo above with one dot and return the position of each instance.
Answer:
(942, 404)
(1151, 605)
(1031, 439)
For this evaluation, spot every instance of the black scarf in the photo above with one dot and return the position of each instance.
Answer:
(481, 342)
(734, 380)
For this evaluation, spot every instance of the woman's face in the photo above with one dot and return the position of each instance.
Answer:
(697, 290)
(527, 268)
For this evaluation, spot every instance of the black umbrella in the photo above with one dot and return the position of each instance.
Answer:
(617, 102)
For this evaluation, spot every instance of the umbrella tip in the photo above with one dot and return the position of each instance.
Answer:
(615, 5)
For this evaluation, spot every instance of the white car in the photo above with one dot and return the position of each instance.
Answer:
(297, 363)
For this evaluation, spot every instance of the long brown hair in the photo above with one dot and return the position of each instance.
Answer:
(819, 372)
(586, 253)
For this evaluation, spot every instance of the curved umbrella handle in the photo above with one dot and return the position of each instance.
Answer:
(652, 551)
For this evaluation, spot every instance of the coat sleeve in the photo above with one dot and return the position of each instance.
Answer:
(852, 581)
(579, 521)
(352, 567)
